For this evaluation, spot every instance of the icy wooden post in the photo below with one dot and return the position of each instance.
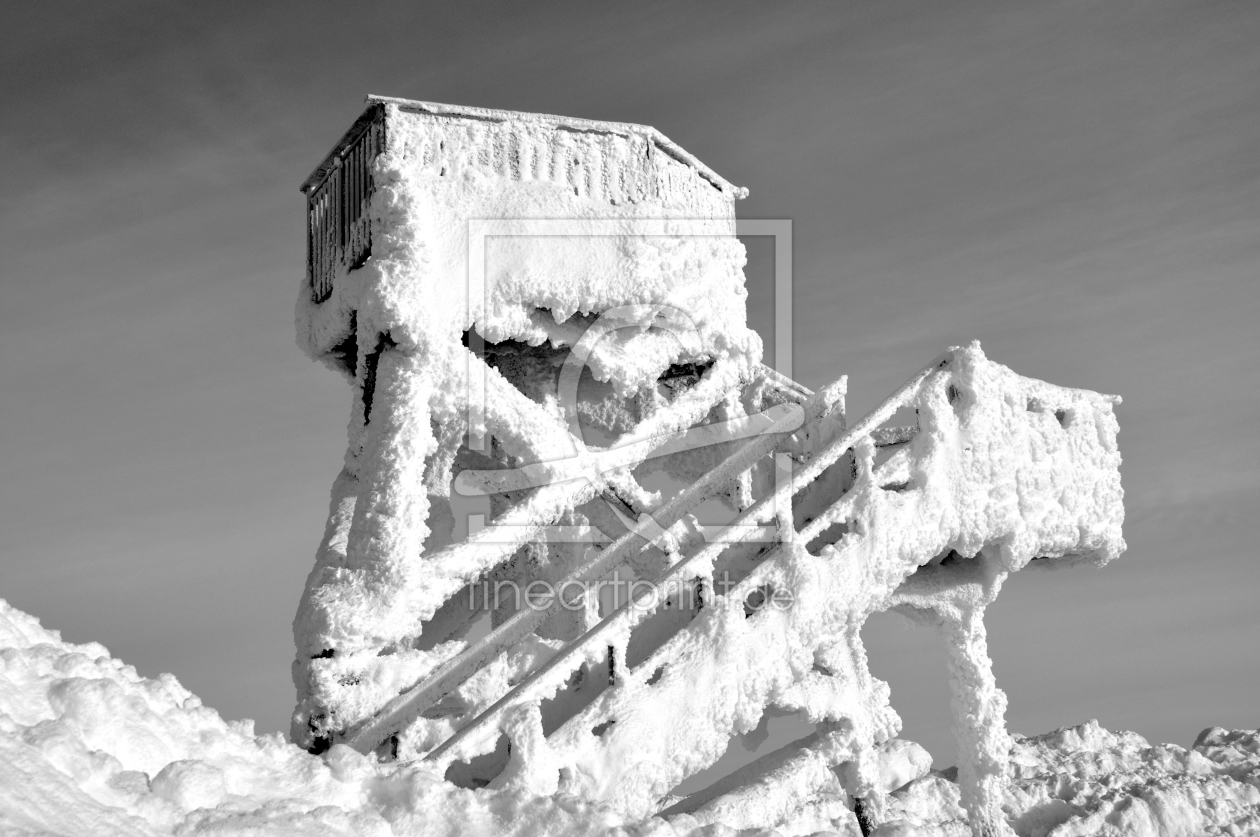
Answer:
(979, 708)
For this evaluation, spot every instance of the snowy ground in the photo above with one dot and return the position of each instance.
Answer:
(89, 747)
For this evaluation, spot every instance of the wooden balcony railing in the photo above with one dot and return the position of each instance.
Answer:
(338, 228)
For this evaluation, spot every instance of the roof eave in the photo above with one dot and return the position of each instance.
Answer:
(567, 123)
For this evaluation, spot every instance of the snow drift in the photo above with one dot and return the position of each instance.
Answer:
(89, 747)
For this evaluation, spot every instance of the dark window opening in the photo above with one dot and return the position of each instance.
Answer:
(686, 373)
(346, 352)
(369, 374)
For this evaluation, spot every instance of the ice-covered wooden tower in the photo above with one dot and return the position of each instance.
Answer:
(553, 381)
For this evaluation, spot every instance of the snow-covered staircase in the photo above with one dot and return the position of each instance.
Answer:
(928, 519)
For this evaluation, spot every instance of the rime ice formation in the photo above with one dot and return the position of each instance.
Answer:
(88, 748)
(551, 312)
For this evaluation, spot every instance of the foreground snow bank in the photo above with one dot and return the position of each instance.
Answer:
(1084, 781)
(1099, 783)
(89, 747)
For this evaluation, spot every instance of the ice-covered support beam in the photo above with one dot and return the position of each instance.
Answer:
(979, 722)
(376, 523)
(390, 512)
(330, 557)
(951, 596)
(775, 786)
(376, 527)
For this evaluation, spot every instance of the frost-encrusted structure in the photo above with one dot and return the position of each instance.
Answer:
(551, 312)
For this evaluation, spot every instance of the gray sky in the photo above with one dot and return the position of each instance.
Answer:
(1074, 183)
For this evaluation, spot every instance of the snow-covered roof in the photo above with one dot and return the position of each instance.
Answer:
(561, 123)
